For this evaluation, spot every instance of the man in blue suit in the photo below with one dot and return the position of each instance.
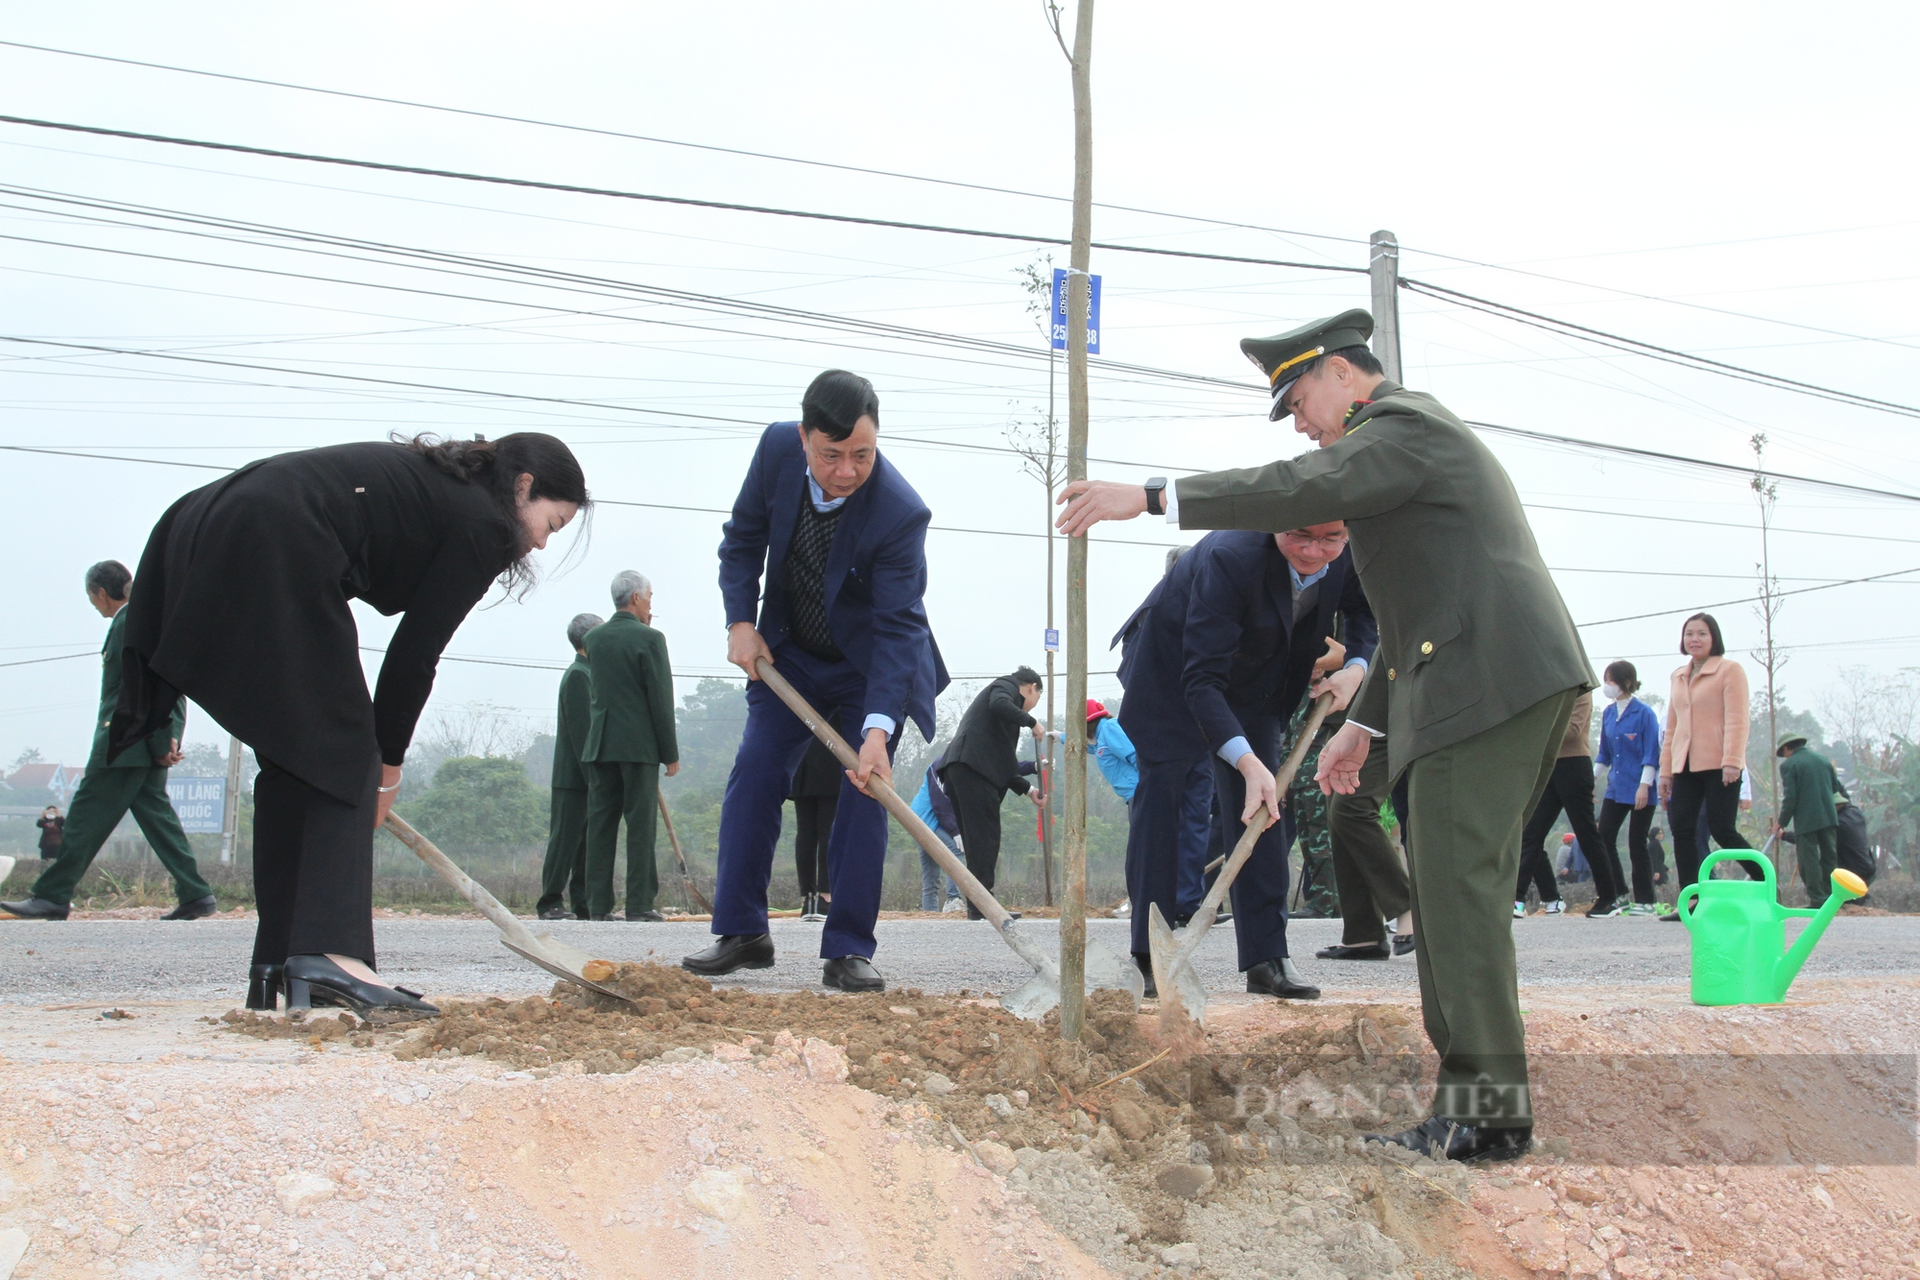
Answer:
(1216, 661)
(841, 537)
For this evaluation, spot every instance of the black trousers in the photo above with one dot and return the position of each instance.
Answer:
(1369, 871)
(1639, 822)
(1569, 788)
(312, 867)
(1698, 794)
(1259, 893)
(812, 824)
(1156, 827)
(976, 803)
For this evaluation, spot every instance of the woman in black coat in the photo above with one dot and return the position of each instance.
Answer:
(816, 798)
(241, 604)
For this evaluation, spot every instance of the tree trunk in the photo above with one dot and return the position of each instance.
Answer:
(1073, 866)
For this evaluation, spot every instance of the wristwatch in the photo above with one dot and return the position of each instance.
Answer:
(1156, 490)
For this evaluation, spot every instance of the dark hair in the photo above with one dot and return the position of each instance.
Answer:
(1623, 674)
(1713, 629)
(1359, 357)
(836, 401)
(1027, 675)
(111, 577)
(496, 466)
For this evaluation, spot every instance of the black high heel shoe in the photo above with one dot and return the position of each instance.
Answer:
(263, 986)
(312, 980)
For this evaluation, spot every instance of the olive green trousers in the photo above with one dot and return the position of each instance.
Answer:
(1468, 803)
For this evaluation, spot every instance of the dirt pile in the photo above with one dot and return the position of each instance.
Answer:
(1146, 1160)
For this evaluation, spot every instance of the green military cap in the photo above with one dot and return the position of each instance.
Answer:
(1789, 740)
(1283, 356)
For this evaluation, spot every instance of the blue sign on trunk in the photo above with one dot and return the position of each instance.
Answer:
(1060, 313)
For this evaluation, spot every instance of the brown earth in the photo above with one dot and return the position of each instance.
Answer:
(706, 1130)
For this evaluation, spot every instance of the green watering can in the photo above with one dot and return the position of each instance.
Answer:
(1740, 953)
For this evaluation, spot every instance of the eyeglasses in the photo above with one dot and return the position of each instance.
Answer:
(1332, 542)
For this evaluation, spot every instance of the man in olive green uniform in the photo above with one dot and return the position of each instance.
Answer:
(629, 736)
(1319, 897)
(1807, 786)
(136, 780)
(564, 873)
(1477, 671)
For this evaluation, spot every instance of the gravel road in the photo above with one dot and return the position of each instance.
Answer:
(131, 960)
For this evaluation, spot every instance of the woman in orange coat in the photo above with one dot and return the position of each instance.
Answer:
(1705, 747)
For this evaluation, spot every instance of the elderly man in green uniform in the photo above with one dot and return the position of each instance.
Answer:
(135, 781)
(629, 736)
(1477, 671)
(1808, 784)
(564, 873)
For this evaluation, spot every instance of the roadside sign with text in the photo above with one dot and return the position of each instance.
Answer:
(200, 802)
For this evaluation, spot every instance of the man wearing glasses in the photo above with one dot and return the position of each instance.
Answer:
(1476, 675)
(1217, 658)
(840, 537)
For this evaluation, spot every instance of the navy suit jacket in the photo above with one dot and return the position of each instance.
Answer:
(1209, 656)
(876, 574)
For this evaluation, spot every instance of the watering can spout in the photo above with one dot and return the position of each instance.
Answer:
(1846, 887)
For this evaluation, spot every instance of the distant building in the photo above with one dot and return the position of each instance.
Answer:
(58, 780)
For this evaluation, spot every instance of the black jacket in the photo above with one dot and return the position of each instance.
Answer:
(988, 741)
(1213, 652)
(241, 603)
(819, 774)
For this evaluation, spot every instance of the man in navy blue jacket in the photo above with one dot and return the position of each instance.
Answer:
(1216, 661)
(841, 538)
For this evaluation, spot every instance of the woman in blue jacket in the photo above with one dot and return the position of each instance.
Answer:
(1630, 748)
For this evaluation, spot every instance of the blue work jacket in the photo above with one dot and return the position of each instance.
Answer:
(1627, 744)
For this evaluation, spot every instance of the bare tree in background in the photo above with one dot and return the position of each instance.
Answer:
(1038, 444)
(1767, 609)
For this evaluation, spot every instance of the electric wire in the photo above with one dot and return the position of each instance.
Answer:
(654, 198)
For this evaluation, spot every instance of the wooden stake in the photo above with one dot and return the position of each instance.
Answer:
(1073, 863)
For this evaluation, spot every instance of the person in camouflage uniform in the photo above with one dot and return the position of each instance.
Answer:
(1318, 897)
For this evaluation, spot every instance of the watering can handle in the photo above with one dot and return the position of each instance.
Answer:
(1744, 855)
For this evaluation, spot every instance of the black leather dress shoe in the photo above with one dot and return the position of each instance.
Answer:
(35, 909)
(1146, 971)
(853, 973)
(198, 909)
(1359, 951)
(732, 951)
(1268, 978)
(311, 980)
(263, 986)
(1403, 944)
(1468, 1143)
(651, 917)
(556, 913)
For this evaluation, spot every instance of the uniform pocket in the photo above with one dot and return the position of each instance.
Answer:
(1444, 679)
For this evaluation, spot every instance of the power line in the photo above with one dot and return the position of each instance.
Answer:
(1600, 337)
(688, 201)
(670, 142)
(1721, 604)
(28, 662)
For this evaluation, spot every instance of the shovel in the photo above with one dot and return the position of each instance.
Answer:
(1181, 993)
(545, 950)
(693, 890)
(1042, 991)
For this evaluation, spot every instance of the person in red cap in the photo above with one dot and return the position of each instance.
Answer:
(1112, 750)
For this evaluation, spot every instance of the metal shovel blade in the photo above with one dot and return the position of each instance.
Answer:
(1041, 993)
(545, 950)
(1181, 992)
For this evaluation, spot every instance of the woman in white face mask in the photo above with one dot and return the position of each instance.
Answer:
(1630, 748)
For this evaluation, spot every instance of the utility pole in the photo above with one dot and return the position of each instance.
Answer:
(1383, 267)
(230, 820)
(1073, 862)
